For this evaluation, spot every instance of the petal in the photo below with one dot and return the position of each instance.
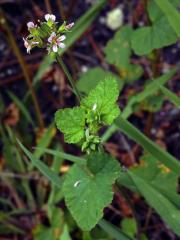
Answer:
(53, 34)
(62, 38)
(47, 16)
(69, 26)
(55, 48)
(30, 25)
(61, 45)
(53, 17)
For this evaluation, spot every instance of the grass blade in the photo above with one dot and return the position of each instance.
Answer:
(22, 107)
(113, 231)
(172, 97)
(161, 155)
(171, 13)
(162, 205)
(46, 171)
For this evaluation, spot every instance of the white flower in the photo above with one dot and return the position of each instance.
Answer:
(50, 17)
(27, 45)
(56, 41)
(69, 26)
(114, 18)
(30, 25)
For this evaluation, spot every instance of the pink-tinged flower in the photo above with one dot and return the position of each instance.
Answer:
(50, 17)
(69, 26)
(27, 45)
(31, 25)
(56, 41)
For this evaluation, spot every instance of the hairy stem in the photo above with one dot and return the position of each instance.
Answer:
(68, 75)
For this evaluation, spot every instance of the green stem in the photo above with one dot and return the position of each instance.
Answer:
(68, 75)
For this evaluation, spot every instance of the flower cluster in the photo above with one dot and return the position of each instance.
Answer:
(46, 34)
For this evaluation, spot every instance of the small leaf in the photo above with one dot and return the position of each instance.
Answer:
(82, 183)
(129, 226)
(72, 123)
(104, 96)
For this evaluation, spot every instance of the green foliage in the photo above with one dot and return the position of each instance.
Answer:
(160, 34)
(97, 109)
(171, 13)
(118, 52)
(81, 183)
(103, 98)
(156, 151)
(93, 76)
(163, 206)
(129, 226)
(72, 123)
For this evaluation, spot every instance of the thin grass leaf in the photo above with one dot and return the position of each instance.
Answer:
(45, 140)
(22, 108)
(46, 171)
(171, 96)
(63, 155)
(159, 202)
(113, 231)
(171, 13)
(161, 155)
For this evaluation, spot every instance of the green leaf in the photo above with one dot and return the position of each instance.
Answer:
(92, 77)
(118, 50)
(82, 183)
(113, 231)
(46, 171)
(151, 147)
(72, 123)
(104, 96)
(171, 14)
(160, 34)
(162, 205)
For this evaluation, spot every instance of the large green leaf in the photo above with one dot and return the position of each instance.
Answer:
(151, 147)
(88, 190)
(161, 204)
(104, 98)
(72, 123)
(160, 34)
(92, 77)
(171, 14)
